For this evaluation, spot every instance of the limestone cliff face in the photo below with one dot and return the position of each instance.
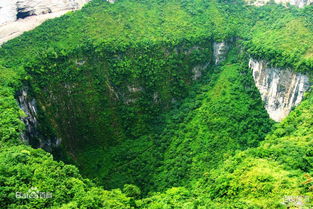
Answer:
(297, 3)
(18, 16)
(281, 89)
(30, 120)
(11, 10)
(32, 134)
(220, 50)
(8, 11)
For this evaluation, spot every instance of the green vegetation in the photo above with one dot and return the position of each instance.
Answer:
(146, 116)
(10, 124)
(191, 139)
(22, 167)
(283, 37)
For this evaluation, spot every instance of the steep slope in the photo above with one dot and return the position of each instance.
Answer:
(114, 64)
(26, 172)
(222, 114)
(273, 175)
(230, 117)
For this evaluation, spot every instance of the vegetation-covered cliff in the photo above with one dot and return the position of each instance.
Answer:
(131, 95)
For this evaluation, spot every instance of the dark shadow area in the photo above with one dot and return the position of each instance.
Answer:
(21, 14)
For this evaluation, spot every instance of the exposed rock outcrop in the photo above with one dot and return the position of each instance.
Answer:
(281, 89)
(8, 11)
(32, 135)
(297, 3)
(197, 71)
(30, 120)
(12, 10)
(220, 50)
(18, 16)
(17, 28)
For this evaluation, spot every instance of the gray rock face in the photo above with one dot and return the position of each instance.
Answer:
(32, 135)
(7, 11)
(18, 16)
(29, 108)
(11, 10)
(36, 7)
(297, 3)
(198, 70)
(219, 51)
(281, 89)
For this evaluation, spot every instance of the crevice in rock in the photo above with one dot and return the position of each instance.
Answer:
(21, 14)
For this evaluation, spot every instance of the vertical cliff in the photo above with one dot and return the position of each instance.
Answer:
(220, 50)
(281, 89)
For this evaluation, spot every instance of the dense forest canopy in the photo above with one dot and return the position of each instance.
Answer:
(139, 128)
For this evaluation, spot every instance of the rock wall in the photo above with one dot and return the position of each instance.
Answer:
(11, 10)
(104, 102)
(281, 89)
(8, 11)
(18, 16)
(30, 120)
(32, 134)
(297, 3)
(220, 50)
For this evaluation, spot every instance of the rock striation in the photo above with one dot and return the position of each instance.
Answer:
(281, 89)
(32, 134)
